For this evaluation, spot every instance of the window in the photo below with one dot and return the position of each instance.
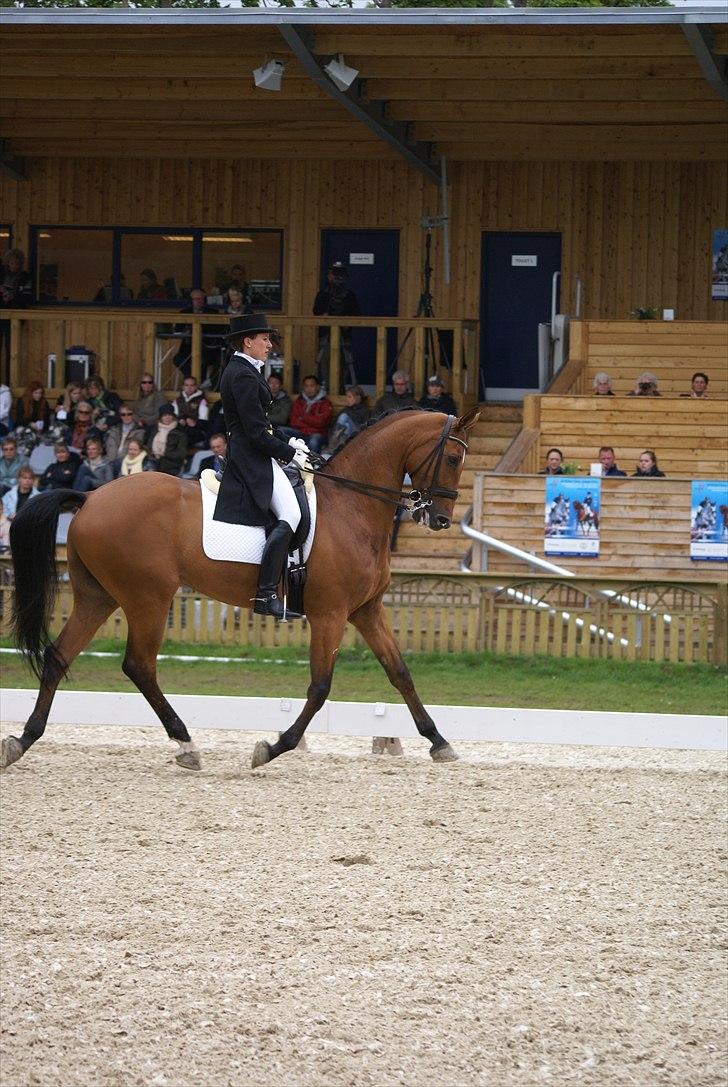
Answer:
(155, 266)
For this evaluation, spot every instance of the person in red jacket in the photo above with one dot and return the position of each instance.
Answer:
(310, 415)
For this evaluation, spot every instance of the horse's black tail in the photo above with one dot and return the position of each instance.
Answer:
(33, 548)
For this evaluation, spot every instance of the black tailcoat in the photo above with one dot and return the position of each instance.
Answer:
(247, 482)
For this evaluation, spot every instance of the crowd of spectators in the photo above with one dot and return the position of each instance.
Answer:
(647, 384)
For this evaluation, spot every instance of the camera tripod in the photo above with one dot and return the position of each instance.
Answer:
(434, 346)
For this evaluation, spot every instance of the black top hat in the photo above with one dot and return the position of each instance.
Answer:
(249, 324)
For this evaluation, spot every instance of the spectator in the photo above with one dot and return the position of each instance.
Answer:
(698, 386)
(66, 404)
(311, 414)
(216, 420)
(399, 398)
(148, 402)
(32, 409)
(210, 337)
(237, 281)
(647, 465)
(167, 442)
(645, 385)
(608, 462)
(62, 472)
(117, 438)
(104, 402)
(94, 470)
(18, 495)
(83, 427)
(150, 289)
(279, 411)
(192, 410)
(136, 459)
(335, 300)
(10, 464)
(6, 406)
(350, 420)
(437, 399)
(554, 463)
(235, 302)
(602, 384)
(105, 293)
(15, 293)
(218, 453)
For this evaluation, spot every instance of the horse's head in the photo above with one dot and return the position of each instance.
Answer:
(435, 465)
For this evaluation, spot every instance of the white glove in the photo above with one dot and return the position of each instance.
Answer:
(298, 443)
(300, 458)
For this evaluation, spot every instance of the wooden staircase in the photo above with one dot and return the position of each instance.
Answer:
(419, 548)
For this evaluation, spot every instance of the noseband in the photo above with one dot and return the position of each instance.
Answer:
(421, 497)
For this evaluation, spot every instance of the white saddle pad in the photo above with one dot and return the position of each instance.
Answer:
(240, 543)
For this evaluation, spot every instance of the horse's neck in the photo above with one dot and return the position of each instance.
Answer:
(378, 463)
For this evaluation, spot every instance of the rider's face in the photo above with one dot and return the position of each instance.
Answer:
(259, 346)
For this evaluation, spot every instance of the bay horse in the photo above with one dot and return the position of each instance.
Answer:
(112, 563)
(586, 517)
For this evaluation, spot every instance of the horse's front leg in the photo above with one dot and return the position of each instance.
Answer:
(325, 641)
(372, 623)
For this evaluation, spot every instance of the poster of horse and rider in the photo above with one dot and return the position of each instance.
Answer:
(709, 520)
(571, 516)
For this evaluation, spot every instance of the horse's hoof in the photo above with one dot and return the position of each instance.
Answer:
(10, 751)
(189, 760)
(261, 754)
(443, 753)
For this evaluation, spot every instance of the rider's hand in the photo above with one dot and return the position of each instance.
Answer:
(298, 443)
(300, 459)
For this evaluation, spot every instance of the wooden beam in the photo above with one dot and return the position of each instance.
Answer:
(150, 88)
(548, 111)
(714, 68)
(184, 149)
(541, 90)
(567, 134)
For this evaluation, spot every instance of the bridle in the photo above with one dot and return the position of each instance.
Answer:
(420, 497)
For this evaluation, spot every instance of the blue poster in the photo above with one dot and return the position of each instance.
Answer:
(571, 516)
(709, 520)
(719, 269)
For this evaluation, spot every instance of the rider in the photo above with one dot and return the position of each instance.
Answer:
(253, 484)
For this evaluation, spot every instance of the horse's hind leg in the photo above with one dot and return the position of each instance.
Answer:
(92, 607)
(372, 623)
(147, 620)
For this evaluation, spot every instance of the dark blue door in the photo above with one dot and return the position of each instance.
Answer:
(516, 277)
(371, 257)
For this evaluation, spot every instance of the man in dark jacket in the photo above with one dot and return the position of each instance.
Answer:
(437, 399)
(335, 300)
(608, 462)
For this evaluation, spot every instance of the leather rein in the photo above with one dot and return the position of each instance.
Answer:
(420, 497)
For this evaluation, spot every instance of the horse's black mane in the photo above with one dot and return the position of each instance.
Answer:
(373, 422)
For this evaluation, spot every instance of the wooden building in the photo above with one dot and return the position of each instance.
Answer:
(603, 133)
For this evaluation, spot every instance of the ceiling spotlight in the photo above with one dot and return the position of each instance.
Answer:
(340, 73)
(269, 76)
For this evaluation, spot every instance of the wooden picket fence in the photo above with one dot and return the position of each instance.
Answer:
(659, 620)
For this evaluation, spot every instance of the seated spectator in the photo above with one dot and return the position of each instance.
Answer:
(350, 420)
(15, 499)
(218, 452)
(311, 414)
(10, 464)
(94, 470)
(400, 397)
(6, 406)
(608, 462)
(698, 386)
(210, 338)
(647, 465)
(167, 442)
(32, 409)
(136, 459)
(554, 463)
(150, 289)
(83, 427)
(62, 472)
(216, 420)
(646, 385)
(602, 384)
(16, 287)
(148, 402)
(437, 399)
(104, 402)
(235, 302)
(192, 410)
(237, 279)
(66, 403)
(117, 437)
(279, 411)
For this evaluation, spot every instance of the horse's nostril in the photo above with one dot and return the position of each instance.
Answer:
(443, 522)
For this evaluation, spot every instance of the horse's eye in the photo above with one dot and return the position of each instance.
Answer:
(452, 459)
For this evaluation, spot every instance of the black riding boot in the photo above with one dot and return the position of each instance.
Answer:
(274, 558)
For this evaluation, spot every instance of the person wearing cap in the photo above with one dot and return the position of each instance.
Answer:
(167, 442)
(254, 485)
(336, 299)
(437, 399)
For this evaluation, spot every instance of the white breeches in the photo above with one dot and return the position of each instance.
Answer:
(284, 502)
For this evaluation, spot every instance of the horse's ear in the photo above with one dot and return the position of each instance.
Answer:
(465, 422)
